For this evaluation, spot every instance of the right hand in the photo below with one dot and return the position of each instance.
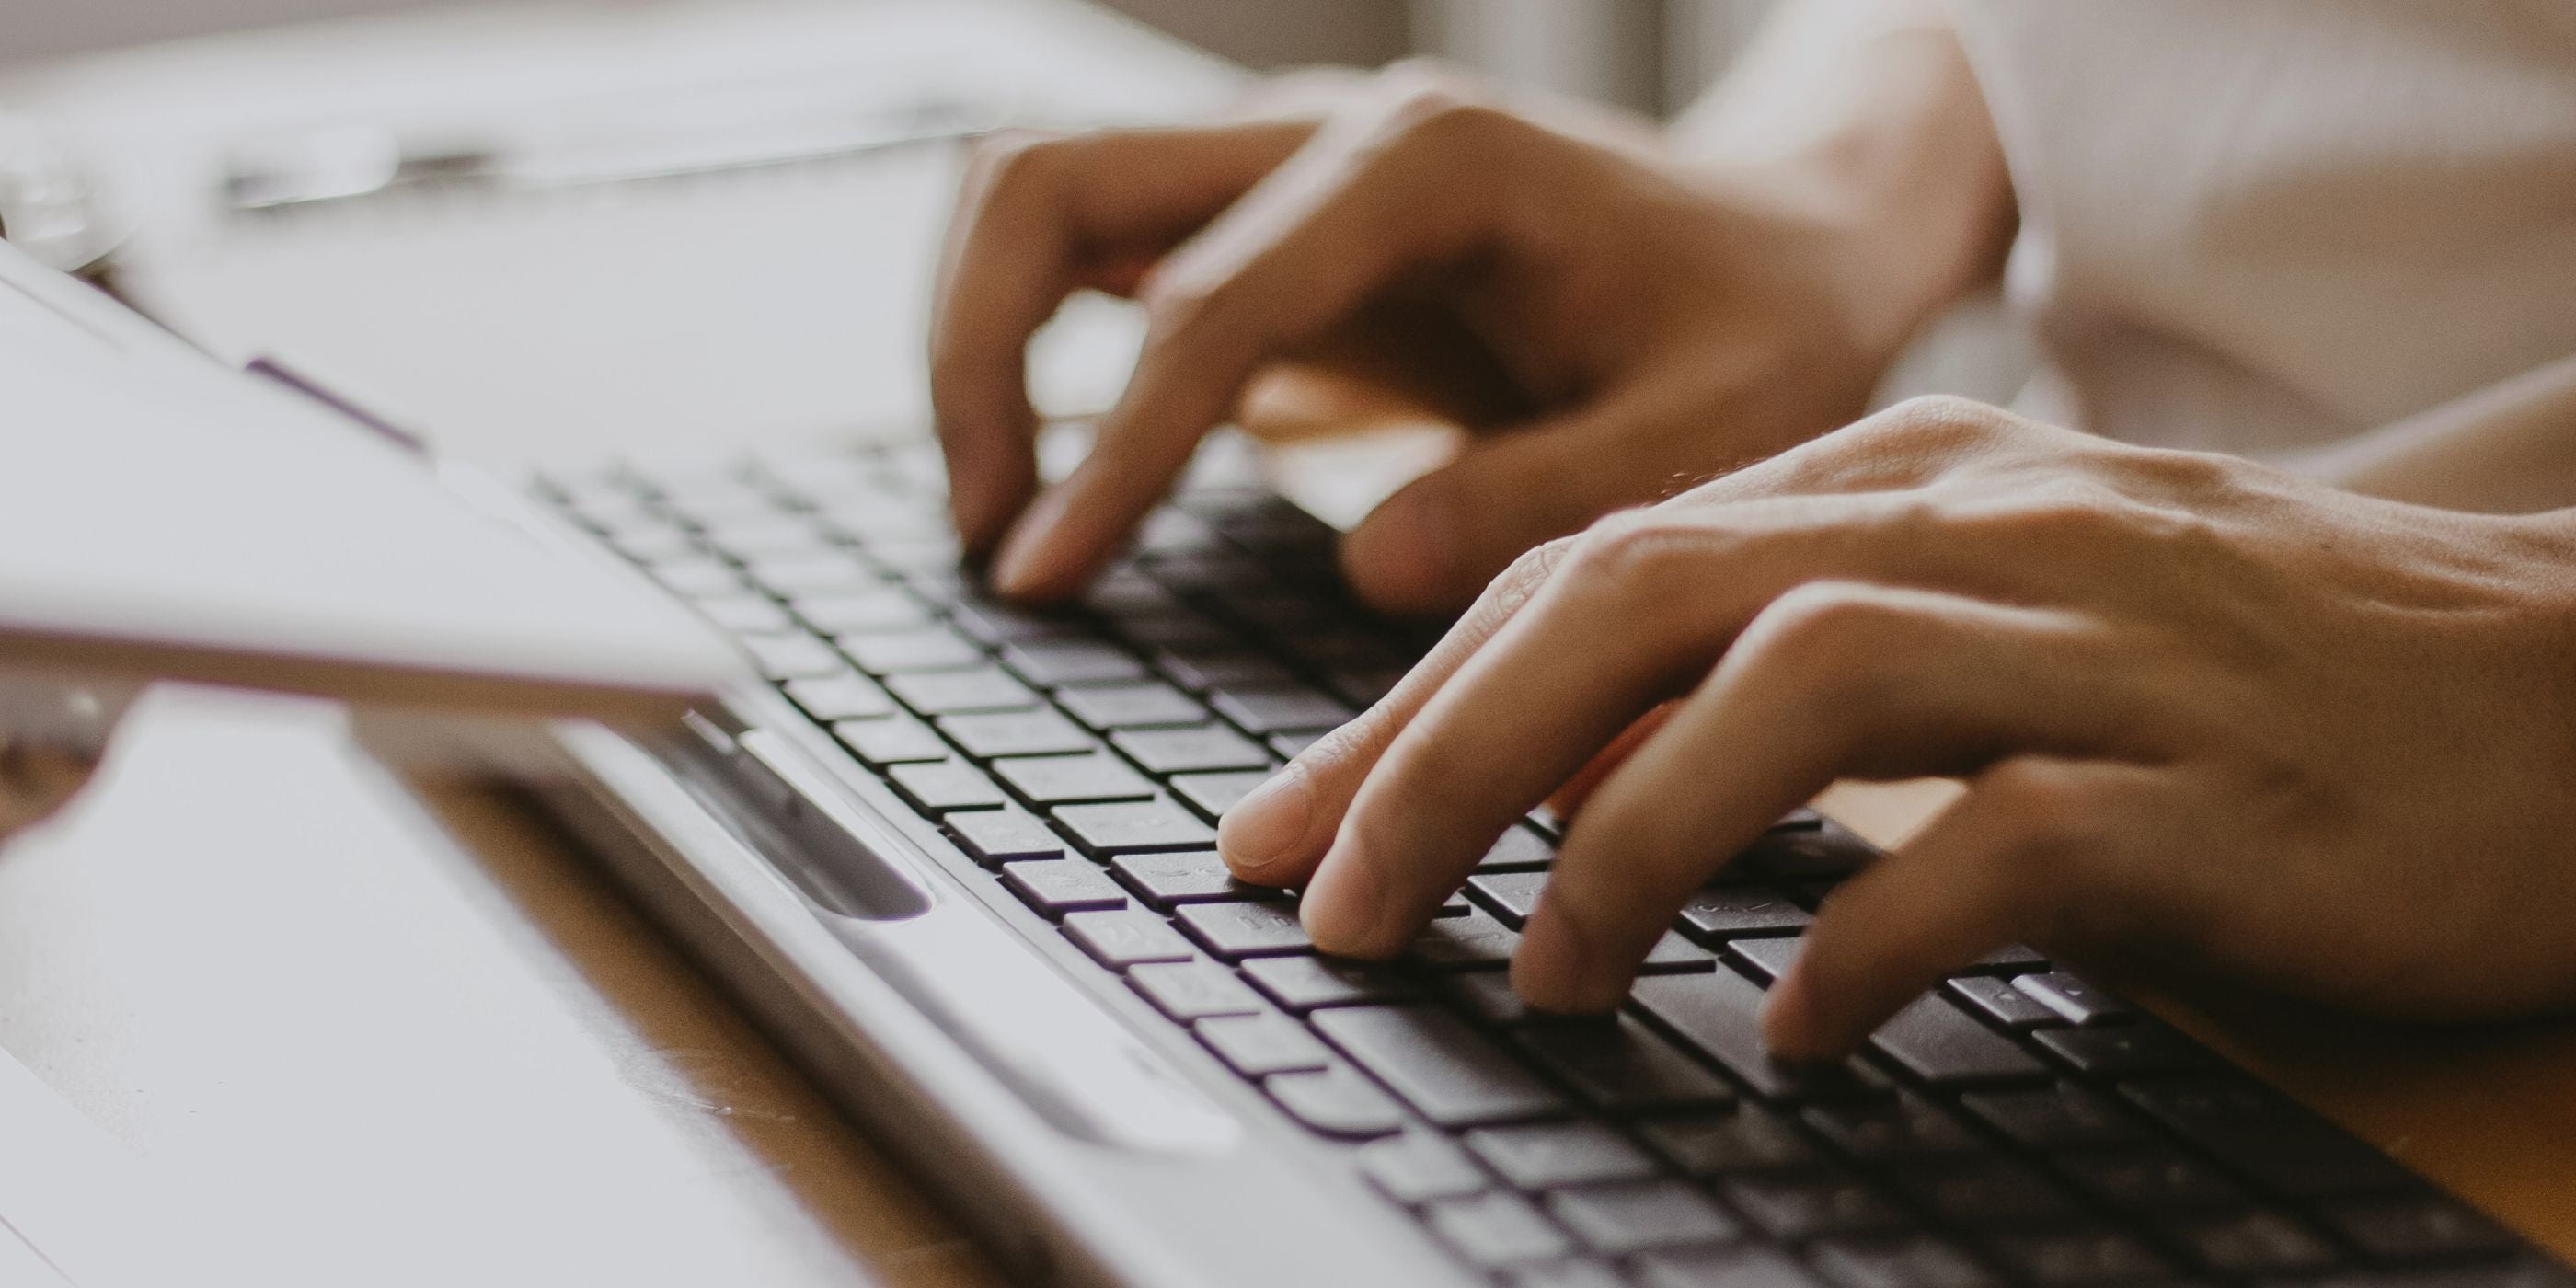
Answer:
(1654, 326)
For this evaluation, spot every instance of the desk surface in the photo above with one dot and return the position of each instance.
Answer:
(428, 1043)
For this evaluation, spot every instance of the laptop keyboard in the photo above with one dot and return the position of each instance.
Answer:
(2017, 1126)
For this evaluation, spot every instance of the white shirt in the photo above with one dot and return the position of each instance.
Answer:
(2261, 225)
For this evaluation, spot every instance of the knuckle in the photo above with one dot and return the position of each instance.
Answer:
(1535, 567)
(1929, 425)
(1832, 638)
(1625, 552)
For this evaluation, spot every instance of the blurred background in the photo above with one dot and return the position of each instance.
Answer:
(1653, 55)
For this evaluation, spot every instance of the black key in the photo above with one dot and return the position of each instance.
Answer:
(1280, 710)
(1418, 1167)
(921, 648)
(1496, 1230)
(1620, 1066)
(847, 611)
(745, 614)
(1718, 1013)
(698, 577)
(1193, 876)
(1068, 780)
(2129, 1051)
(1940, 1044)
(1737, 1267)
(1810, 1201)
(992, 622)
(1055, 887)
(1518, 849)
(793, 575)
(1488, 995)
(1750, 1139)
(2081, 1256)
(2254, 1243)
(892, 740)
(839, 697)
(2417, 1228)
(2060, 1117)
(2149, 1178)
(1292, 745)
(1131, 706)
(1189, 991)
(1578, 1273)
(1906, 1127)
(1304, 983)
(1194, 750)
(1174, 632)
(1636, 1216)
(1510, 895)
(1127, 937)
(1052, 663)
(997, 836)
(1544, 1156)
(2011, 959)
(939, 693)
(1237, 930)
(1906, 1261)
(946, 785)
(1465, 943)
(1674, 953)
(2264, 1134)
(1766, 958)
(1131, 827)
(1016, 733)
(1720, 913)
(1809, 854)
(2073, 999)
(1336, 1102)
(1200, 670)
(1447, 1071)
(1998, 1002)
(1982, 1190)
(792, 657)
(1258, 1045)
(1213, 794)
(1125, 592)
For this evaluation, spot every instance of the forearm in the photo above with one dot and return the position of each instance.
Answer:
(2507, 449)
(1864, 117)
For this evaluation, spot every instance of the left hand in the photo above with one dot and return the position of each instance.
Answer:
(2203, 708)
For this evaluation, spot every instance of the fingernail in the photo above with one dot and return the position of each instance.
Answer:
(1789, 1018)
(1020, 565)
(1342, 906)
(1263, 828)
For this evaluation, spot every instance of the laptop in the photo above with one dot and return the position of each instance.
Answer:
(956, 854)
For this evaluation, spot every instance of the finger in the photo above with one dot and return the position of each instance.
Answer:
(1831, 681)
(1372, 196)
(1631, 617)
(1436, 540)
(1038, 217)
(1275, 835)
(1570, 799)
(1991, 869)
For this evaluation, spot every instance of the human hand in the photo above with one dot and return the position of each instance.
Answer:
(1640, 326)
(2204, 710)
(52, 734)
